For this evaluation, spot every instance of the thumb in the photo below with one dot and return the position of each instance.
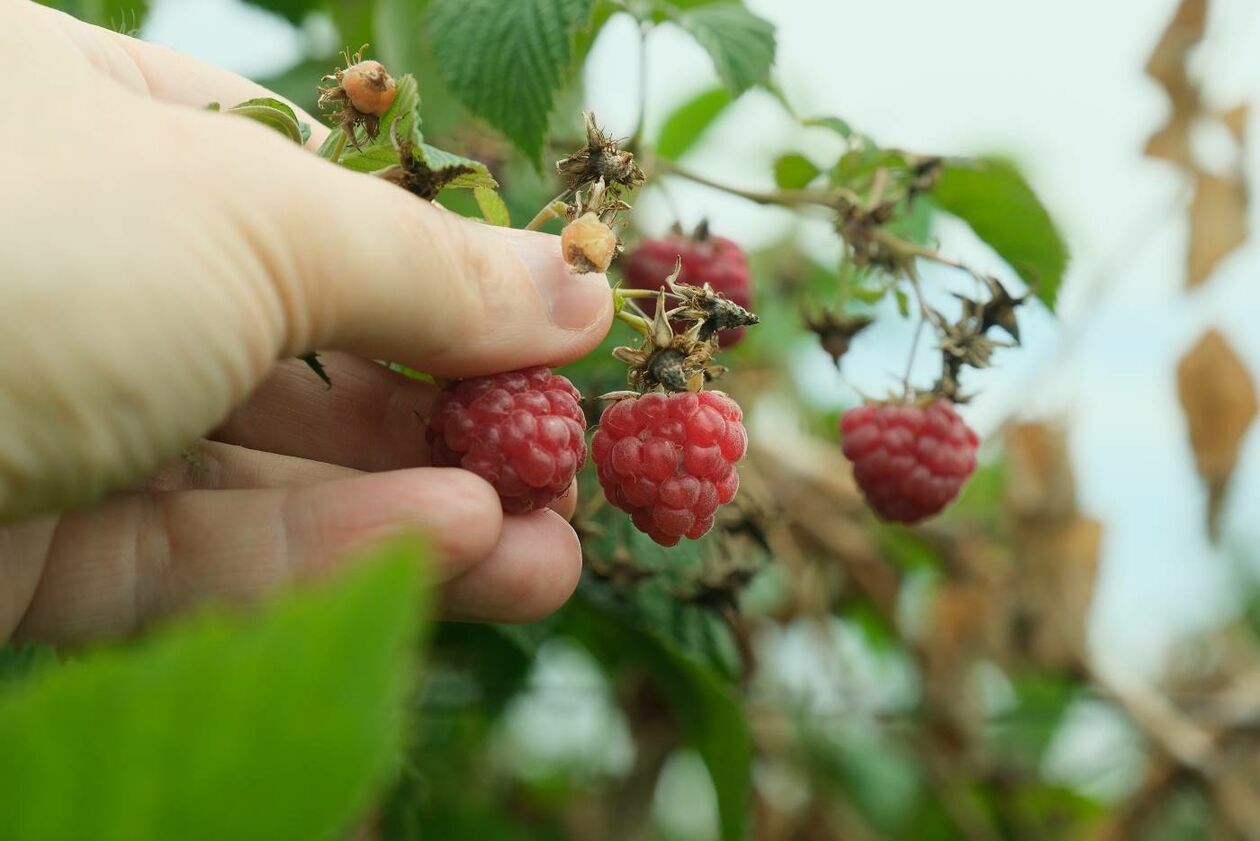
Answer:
(361, 265)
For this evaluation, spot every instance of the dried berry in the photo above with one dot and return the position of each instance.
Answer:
(588, 244)
(369, 87)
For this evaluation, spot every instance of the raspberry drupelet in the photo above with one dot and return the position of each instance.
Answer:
(523, 432)
(668, 460)
(909, 461)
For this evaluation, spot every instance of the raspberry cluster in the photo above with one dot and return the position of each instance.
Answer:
(523, 432)
(668, 460)
(909, 461)
(714, 260)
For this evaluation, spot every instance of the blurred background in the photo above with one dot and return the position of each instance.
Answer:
(1071, 652)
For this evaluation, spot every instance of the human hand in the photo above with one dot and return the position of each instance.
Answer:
(156, 261)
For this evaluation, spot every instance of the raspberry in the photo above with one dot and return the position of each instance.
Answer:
(523, 432)
(714, 260)
(668, 460)
(588, 244)
(909, 461)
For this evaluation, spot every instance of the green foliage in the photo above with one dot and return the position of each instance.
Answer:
(275, 726)
(21, 661)
(294, 11)
(684, 128)
(492, 206)
(794, 171)
(1040, 704)
(435, 169)
(508, 61)
(992, 197)
(740, 43)
(707, 711)
(274, 114)
(836, 124)
(119, 15)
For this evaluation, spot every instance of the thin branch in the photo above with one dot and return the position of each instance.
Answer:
(781, 198)
(637, 137)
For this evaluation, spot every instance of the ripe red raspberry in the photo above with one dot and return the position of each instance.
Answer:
(909, 461)
(523, 432)
(717, 261)
(668, 460)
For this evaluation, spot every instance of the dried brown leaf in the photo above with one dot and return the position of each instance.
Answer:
(1058, 565)
(1235, 120)
(1167, 65)
(1218, 223)
(1057, 548)
(1218, 397)
(1039, 481)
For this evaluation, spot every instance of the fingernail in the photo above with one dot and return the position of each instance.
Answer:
(573, 301)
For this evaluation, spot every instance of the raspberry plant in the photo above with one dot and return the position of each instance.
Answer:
(715, 523)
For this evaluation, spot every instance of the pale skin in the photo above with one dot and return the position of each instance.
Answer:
(160, 267)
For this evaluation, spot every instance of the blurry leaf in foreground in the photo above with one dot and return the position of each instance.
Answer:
(992, 197)
(21, 661)
(1218, 223)
(276, 726)
(1218, 397)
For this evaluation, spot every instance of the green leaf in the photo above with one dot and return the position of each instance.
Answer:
(471, 174)
(705, 707)
(1042, 702)
(124, 16)
(913, 223)
(836, 124)
(276, 726)
(274, 114)
(492, 206)
(992, 197)
(508, 61)
(684, 127)
(294, 11)
(740, 43)
(21, 661)
(586, 35)
(903, 302)
(793, 171)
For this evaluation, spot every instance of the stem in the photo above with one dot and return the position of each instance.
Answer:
(782, 198)
(643, 293)
(338, 148)
(878, 187)
(547, 213)
(640, 324)
(637, 136)
(914, 349)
